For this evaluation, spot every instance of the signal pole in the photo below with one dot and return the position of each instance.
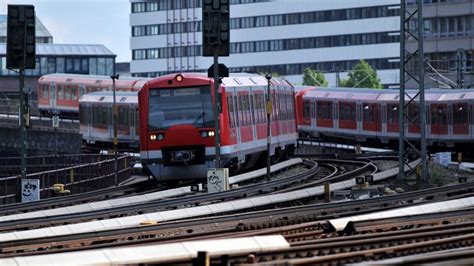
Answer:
(21, 55)
(217, 109)
(269, 124)
(216, 42)
(114, 122)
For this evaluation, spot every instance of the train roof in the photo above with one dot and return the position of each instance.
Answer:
(90, 79)
(107, 97)
(385, 94)
(234, 79)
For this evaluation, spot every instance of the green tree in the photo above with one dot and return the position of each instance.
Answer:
(314, 78)
(362, 76)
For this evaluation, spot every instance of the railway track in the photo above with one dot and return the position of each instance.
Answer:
(235, 225)
(74, 199)
(275, 185)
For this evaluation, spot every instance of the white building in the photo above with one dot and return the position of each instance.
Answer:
(282, 36)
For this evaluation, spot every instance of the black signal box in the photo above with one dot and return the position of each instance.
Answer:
(21, 37)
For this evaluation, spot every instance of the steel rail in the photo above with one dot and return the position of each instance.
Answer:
(268, 218)
(243, 192)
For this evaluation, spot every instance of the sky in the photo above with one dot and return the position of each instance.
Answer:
(85, 22)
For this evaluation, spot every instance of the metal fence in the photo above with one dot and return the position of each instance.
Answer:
(78, 179)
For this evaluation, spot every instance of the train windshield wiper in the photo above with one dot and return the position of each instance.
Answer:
(199, 117)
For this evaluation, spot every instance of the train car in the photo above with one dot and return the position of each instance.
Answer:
(371, 115)
(61, 92)
(177, 123)
(96, 124)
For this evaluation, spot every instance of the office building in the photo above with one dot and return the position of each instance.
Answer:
(281, 36)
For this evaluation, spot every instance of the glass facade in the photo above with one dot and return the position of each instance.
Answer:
(158, 5)
(297, 69)
(271, 20)
(65, 64)
(273, 45)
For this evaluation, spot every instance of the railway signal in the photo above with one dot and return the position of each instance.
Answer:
(21, 37)
(216, 42)
(21, 55)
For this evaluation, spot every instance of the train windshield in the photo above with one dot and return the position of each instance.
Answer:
(170, 107)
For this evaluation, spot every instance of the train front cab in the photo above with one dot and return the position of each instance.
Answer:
(172, 131)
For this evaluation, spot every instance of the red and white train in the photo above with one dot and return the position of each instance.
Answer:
(96, 119)
(177, 123)
(61, 92)
(372, 115)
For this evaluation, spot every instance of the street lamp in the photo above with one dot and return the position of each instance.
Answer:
(114, 123)
(269, 133)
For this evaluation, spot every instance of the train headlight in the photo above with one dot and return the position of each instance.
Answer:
(160, 136)
(179, 78)
(154, 137)
(211, 133)
(204, 134)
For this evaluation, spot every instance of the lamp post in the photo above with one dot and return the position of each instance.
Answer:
(114, 123)
(269, 132)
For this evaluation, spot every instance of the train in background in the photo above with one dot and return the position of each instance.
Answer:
(371, 116)
(96, 120)
(177, 123)
(60, 93)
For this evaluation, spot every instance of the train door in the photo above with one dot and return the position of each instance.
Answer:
(274, 117)
(460, 119)
(414, 118)
(306, 121)
(324, 113)
(52, 96)
(392, 117)
(347, 115)
(260, 113)
(253, 118)
(371, 117)
(439, 119)
(245, 120)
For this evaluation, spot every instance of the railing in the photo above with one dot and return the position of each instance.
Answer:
(10, 166)
(81, 178)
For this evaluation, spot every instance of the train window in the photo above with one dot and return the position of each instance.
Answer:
(82, 114)
(67, 93)
(45, 91)
(123, 118)
(324, 110)
(414, 114)
(306, 109)
(60, 92)
(392, 114)
(74, 93)
(263, 117)
(439, 115)
(347, 111)
(230, 111)
(460, 114)
(275, 108)
(368, 112)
